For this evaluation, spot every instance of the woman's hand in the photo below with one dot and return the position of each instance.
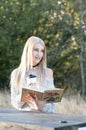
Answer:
(40, 104)
(29, 98)
(32, 98)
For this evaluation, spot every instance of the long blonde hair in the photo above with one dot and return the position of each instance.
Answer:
(26, 60)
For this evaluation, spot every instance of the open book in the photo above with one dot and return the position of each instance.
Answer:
(53, 95)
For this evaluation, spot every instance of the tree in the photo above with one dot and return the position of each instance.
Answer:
(57, 23)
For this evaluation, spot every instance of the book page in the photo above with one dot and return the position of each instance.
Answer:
(30, 92)
(54, 95)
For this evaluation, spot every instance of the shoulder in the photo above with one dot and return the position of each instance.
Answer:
(49, 72)
(13, 73)
(13, 77)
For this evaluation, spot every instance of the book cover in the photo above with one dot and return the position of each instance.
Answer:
(53, 95)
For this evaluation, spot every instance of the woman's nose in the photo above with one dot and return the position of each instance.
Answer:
(39, 53)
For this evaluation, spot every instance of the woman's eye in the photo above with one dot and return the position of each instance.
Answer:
(43, 51)
(35, 49)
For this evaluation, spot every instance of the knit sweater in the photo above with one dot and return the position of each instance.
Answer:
(16, 94)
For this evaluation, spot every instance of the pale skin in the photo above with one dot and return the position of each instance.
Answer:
(38, 53)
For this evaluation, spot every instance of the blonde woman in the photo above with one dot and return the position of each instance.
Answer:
(33, 62)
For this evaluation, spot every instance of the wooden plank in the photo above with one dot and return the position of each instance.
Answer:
(42, 121)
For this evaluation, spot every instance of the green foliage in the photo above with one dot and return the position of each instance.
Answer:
(57, 23)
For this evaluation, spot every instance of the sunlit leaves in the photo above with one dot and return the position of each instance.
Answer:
(57, 22)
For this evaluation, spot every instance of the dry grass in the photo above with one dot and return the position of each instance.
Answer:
(74, 105)
(70, 105)
(5, 99)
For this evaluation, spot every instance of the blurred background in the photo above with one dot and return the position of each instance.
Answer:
(62, 26)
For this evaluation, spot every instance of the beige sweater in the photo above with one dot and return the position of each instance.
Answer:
(16, 94)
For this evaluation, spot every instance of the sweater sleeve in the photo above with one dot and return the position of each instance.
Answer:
(15, 93)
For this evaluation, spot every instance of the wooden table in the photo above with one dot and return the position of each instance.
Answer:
(42, 121)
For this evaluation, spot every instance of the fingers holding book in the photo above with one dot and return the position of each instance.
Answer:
(33, 99)
(29, 97)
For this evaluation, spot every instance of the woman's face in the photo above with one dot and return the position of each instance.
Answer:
(38, 53)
